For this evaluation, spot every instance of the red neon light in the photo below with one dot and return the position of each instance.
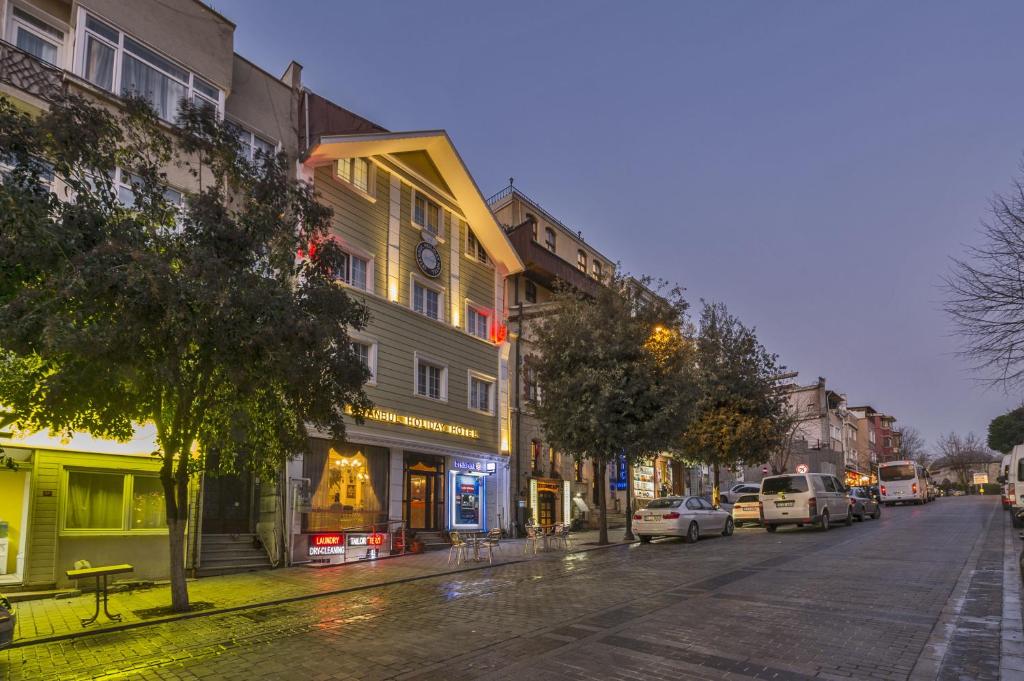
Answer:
(499, 332)
(325, 540)
(375, 540)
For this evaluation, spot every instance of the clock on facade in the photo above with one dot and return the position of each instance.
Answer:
(428, 259)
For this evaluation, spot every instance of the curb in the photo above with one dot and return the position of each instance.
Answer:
(24, 643)
(1011, 643)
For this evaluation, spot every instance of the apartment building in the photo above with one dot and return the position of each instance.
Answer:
(878, 439)
(90, 499)
(825, 421)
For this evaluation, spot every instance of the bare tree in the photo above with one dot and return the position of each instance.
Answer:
(985, 293)
(912, 446)
(788, 424)
(960, 452)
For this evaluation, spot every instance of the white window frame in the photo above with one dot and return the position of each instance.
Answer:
(491, 391)
(353, 251)
(81, 34)
(370, 193)
(243, 131)
(596, 268)
(468, 250)
(419, 358)
(482, 311)
(415, 279)
(439, 234)
(12, 23)
(580, 252)
(363, 339)
(128, 480)
(120, 183)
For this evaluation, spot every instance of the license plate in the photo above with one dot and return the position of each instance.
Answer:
(784, 504)
(649, 517)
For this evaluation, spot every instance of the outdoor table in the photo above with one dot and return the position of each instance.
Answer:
(475, 540)
(100, 573)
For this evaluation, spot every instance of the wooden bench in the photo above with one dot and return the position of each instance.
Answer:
(100, 573)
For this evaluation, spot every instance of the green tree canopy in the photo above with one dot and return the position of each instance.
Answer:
(197, 317)
(615, 372)
(740, 416)
(1006, 431)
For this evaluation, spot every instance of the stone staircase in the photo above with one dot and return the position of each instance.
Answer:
(433, 541)
(616, 520)
(223, 554)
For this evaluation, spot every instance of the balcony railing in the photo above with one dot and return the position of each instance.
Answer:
(27, 73)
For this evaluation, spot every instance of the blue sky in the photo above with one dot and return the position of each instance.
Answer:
(811, 164)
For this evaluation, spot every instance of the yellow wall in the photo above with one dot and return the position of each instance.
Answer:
(12, 501)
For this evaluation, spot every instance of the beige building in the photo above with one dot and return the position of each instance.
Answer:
(164, 50)
(825, 422)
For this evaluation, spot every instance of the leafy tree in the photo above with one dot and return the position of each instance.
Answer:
(1006, 431)
(615, 373)
(740, 416)
(201, 320)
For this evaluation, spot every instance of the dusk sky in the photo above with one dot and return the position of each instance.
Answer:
(813, 165)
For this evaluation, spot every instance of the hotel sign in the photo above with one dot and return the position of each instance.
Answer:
(382, 416)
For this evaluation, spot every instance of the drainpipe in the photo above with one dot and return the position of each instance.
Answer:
(516, 484)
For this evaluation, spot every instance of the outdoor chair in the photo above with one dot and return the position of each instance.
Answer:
(531, 540)
(492, 542)
(458, 550)
(566, 537)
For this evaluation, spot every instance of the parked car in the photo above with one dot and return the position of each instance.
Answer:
(729, 496)
(8, 619)
(862, 505)
(747, 509)
(687, 517)
(804, 499)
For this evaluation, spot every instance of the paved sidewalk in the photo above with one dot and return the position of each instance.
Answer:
(50, 619)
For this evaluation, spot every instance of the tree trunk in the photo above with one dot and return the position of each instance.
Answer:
(714, 487)
(628, 536)
(602, 503)
(179, 588)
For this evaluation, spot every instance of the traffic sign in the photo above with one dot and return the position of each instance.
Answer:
(802, 468)
(764, 470)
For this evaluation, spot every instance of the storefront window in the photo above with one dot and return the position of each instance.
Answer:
(95, 501)
(468, 498)
(349, 484)
(149, 511)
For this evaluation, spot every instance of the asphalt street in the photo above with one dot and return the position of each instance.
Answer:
(917, 594)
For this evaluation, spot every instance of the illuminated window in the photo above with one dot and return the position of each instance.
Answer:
(349, 485)
(426, 301)
(530, 292)
(477, 322)
(581, 261)
(596, 268)
(475, 249)
(358, 172)
(118, 502)
(577, 469)
(426, 214)
(35, 36)
(481, 393)
(552, 459)
(118, 63)
(534, 455)
(549, 239)
(431, 379)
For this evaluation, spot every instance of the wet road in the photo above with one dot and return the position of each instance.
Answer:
(855, 602)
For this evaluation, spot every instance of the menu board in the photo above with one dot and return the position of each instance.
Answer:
(643, 482)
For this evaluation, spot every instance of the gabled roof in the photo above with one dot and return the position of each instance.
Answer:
(438, 146)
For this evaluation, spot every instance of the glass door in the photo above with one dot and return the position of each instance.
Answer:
(419, 500)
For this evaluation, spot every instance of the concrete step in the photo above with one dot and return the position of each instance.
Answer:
(215, 570)
(221, 539)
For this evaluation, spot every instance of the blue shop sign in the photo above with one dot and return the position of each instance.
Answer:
(485, 467)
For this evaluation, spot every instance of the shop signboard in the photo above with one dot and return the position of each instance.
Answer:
(328, 547)
(367, 545)
(981, 478)
(484, 467)
(621, 479)
(467, 500)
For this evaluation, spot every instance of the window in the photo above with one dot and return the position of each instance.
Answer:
(581, 261)
(552, 459)
(115, 502)
(349, 485)
(830, 484)
(426, 301)
(888, 442)
(534, 455)
(549, 239)
(871, 436)
(785, 484)
(530, 387)
(692, 504)
(354, 270)
(481, 393)
(358, 172)
(127, 184)
(577, 469)
(366, 351)
(596, 268)
(35, 36)
(252, 147)
(426, 214)
(474, 249)
(530, 292)
(116, 62)
(431, 379)
(477, 323)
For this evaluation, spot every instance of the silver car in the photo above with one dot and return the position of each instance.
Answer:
(862, 504)
(687, 517)
(7, 621)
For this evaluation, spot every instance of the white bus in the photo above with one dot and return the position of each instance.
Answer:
(902, 481)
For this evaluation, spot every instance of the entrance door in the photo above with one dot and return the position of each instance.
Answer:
(424, 491)
(420, 501)
(546, 508)
(227, 502)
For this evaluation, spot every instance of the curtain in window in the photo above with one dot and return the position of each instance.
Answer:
(35, 45)
(149, 510)
(163, 92)
(95, 501)
(99, 64)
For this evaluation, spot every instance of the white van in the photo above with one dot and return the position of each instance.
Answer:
(1015, 485)
(804, 499)
(902, 481)
(1004, 479)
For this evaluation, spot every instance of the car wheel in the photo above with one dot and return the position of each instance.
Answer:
(877, 514)
(771, 528)
(849, 518)
(692, 533)
(729, 527)
(825, 524)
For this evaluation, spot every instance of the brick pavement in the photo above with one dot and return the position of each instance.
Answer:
(855, 602)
